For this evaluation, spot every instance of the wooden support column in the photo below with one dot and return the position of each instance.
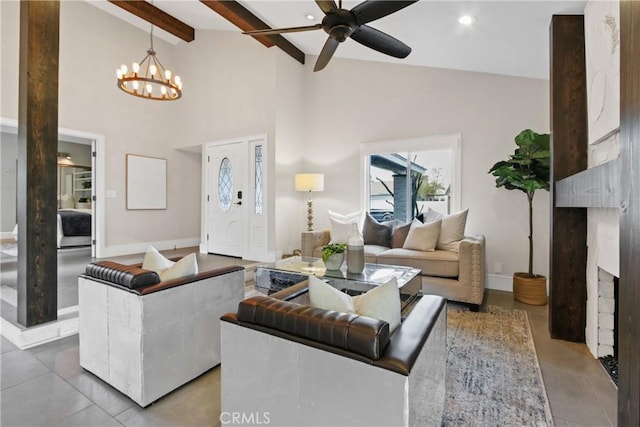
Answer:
(629, 297)
(568, 252)
(37, 154)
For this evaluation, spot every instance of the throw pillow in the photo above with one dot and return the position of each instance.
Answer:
(326, 297)
(155, 261)
(382, 302)
(423, 237)
(400, 235)
(452, 231)
(376, 233)
(341, 225)
(67, 201)
(432, 215)
(186, 267)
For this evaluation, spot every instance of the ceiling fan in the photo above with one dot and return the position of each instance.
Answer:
(341, 24)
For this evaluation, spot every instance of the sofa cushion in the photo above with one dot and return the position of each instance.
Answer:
(432, 215)
(376, 233)
(186, 267)
(155, 261)
(381, 302)
(326, 297)
(341, 225)
(423, 237)
(130, 276)
(399, 235)
(359, 334)
(436, 263)
(452, 231)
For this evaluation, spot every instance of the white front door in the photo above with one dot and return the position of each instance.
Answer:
(226, 198)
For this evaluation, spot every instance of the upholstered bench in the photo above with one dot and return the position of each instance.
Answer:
(146, 337)
(298, 365)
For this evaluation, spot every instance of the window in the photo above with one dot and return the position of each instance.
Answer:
(225, 184)
(258, 178)
(405, 178)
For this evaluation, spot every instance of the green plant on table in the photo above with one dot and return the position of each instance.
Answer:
(333, 248)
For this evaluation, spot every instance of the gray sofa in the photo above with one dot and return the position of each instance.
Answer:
(458, 276)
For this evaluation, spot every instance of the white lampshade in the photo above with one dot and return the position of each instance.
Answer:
(309, 182)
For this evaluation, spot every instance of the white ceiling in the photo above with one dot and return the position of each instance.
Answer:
(509, 37)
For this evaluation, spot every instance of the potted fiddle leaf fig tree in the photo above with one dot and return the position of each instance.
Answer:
(527, 170)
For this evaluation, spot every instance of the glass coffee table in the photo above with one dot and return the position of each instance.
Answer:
(273, 277)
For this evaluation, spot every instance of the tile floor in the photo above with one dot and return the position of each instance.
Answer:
(45, 385)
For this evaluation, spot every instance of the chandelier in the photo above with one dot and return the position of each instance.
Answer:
(149, 79)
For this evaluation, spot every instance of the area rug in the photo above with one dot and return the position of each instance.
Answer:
(493, 375)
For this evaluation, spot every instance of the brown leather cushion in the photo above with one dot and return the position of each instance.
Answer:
(358, 334)
(130, 276)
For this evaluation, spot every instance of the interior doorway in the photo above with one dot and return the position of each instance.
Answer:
(90, 187)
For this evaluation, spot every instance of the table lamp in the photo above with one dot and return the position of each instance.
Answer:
(309, 182)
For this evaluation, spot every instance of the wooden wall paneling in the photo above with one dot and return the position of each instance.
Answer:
(596, 187)
(629, 289)
(568, 256)
(37, 156)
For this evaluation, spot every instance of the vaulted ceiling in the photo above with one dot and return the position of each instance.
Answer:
(508, 37)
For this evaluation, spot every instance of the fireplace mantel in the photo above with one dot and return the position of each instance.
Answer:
(596, 187)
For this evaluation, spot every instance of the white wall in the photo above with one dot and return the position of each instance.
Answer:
(289, 146)
(8, 156)
(229, 91)
(355, 101)
(315, 122)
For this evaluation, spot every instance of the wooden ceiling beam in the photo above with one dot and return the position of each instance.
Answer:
(157, 17)
(244, 19)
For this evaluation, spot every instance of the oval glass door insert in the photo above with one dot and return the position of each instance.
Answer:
(225, 184)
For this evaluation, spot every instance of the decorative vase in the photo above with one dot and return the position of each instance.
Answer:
(530, 290)
(334, 262)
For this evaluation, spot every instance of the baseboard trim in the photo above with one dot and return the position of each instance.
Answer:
(4, 235)
(137, 248)
(499, 282)
(66, 325)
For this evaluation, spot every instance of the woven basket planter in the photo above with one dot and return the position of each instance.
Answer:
(530, 290)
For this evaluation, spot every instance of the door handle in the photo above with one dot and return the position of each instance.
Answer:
(239, 202)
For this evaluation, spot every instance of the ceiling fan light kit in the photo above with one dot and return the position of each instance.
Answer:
(341, 24)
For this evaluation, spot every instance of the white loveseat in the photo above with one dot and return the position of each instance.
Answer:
(146, 337)
(288, 364)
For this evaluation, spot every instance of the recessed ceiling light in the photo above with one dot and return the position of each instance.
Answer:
(310, 17)
(467, 19)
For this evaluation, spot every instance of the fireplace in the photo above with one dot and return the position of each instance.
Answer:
(608, 322)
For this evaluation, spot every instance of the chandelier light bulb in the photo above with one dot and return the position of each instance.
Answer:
(147, 74)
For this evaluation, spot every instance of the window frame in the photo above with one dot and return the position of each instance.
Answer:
(451, 141)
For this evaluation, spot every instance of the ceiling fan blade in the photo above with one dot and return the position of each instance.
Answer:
(327, 6)
(327, 52)
(382, 42)
(371, 10)
(269, 31)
